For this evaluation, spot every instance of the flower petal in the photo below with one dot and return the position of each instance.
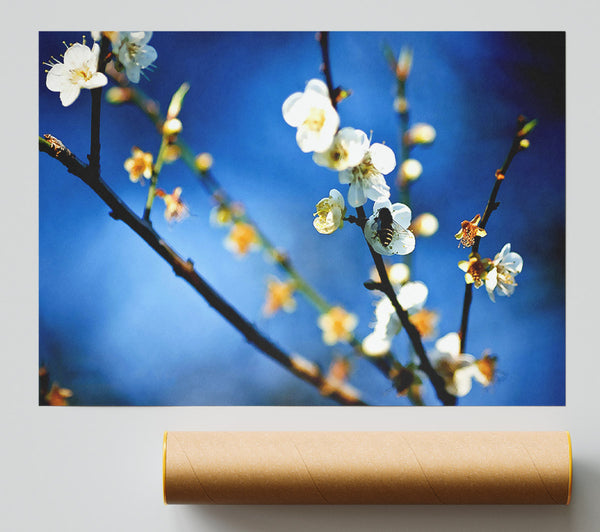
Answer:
(376, 344)
(462, 382)
(413, 295)
(378, 188)
(69, 94)
(146, 56)
(356, 195)
(513, 262)
(403, 243)
(76, 55)
(132, 72)
(401, 214)
(97, 80)
(380, 203)
(317, 86)
(382, 158)
(450, 343)
(57, 78)
(293, 112)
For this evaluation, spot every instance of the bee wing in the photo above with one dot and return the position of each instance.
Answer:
(403, 241)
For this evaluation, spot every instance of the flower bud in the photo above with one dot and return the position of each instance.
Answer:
(172, 153)
(400, 105)
(118, 95)
(177, 100)
(420, 134)
(172, 127)
(404, 63)
(204, 162)
(425, 224)
(411, 170)
(399, 273)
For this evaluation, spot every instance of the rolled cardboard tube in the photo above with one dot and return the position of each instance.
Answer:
(367, 467)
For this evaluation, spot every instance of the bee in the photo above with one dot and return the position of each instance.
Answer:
(385, 226)
(386, 236)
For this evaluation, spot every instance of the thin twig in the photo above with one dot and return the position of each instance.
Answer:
(157, 167)
(185, 269)
(490, 207)
(323, 38)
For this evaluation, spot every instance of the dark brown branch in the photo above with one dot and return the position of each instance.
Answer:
(386, 287)
(185, 269)
(94, 156)
(438, 383)
(490, 207)
(323, 38)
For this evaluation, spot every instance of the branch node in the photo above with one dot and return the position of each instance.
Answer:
(373, 285)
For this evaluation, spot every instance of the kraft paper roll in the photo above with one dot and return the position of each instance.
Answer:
(367, 468)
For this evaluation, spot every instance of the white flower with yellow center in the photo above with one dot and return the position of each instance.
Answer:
(330, 213)
(366, 179)
(412, 297)
(337, 325)
(386, 229)
(506, 265)
(313, 115)
(458, 369)
(78, 71)
(347, 150)
(134, 53)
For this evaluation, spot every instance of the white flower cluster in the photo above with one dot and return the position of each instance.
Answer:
(412, 297)
(360, 164)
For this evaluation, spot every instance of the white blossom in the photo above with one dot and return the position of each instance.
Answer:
(312, 113)
(379, 226)
(78, 71)
(457, 369)
(347, 150)
(366, 179)
(330, 213)
(412, 297)
(134, 53)
(501, 278)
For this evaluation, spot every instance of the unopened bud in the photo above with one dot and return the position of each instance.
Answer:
(204, 162)
(410, 170)
(172, 127)
(425, 224)
(404, 63)
(177, 100)
(400, 105)
(399, 273)
(420, 134)
(118, 95)
(172, 153)
(524, 144)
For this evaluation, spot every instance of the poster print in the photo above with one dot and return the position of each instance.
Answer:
(282, 218)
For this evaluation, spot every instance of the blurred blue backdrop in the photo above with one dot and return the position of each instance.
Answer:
(116, 326)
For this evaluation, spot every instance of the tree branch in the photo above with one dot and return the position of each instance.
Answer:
(490, 207)
(386, 366)
(94, 156)
(386, 287)
(323, 38)
(185, 269)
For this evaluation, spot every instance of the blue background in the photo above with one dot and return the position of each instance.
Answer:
(117, 327)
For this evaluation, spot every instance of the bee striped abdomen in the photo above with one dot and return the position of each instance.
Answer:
(385, 231)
